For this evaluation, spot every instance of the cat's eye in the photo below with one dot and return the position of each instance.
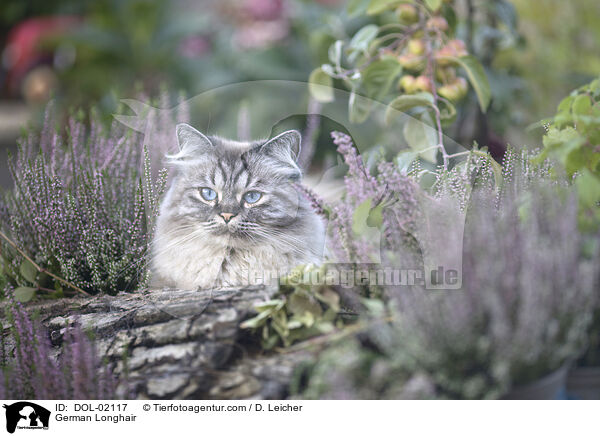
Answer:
(208, 194)
(251, 197)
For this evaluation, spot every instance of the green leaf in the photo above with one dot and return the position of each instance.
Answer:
(330, 298)
(270, 304)
(577, 157)
(360, 216)
(320, 86)
(588, 188)
(270, 342)
(375, 82)
(405, 159)
(357, 7)
(420, 136)
(359, 108)
(406, 102)
(582, 108)
(363, 38)
(565, 144)
(434, 5)
(375, 307)
(257, 321)
(335, 54)
(555, 138)
(24, 294)
(565, 104)
(375, 218)
(294, 324)
(447, 111)
(379, 6)
(28, 271)
(477, 77)
(301, 302)
(324, 328)
(449, 14)
(328, 69)
(378, 77)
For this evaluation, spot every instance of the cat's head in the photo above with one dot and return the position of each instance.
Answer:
(243, 190)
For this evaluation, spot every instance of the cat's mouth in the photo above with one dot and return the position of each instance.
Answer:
(230, 230)
(241, 230)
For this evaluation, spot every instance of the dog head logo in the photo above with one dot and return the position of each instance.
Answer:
(26, 415)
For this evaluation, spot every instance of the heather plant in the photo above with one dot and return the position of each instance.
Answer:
(572, 139)
(81, 214)
(385, 209)
(30, 368)
(523, 310)
(394, 198)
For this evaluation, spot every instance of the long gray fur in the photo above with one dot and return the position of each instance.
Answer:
(195, 248)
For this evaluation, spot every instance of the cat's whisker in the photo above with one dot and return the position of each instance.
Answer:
(190, 238)
(292, 243)
(147, 257)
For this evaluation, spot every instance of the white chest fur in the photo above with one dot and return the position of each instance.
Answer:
(218, 263)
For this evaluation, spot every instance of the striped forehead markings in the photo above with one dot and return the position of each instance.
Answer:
(221, 175)
(228, 173)
(212, 175)
(243, 174)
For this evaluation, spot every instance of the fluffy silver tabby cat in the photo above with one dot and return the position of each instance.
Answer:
(232, 215)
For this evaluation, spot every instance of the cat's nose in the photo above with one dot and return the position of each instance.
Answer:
(227, 216)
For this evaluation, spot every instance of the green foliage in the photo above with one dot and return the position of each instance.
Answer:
(405, 102)
(477, 77)
(360, 217)
(421, 137)
(123, 45)
(320, 85)
(573, 138)
(561, 51)
(410, 63)
(24, 293)
(301, 311)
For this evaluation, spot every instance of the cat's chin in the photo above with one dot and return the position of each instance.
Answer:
(234, 233)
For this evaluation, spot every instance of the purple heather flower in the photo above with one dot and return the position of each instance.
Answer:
(33, 372)
(85, 207)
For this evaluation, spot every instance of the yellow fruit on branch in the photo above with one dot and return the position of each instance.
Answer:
(408, 84)
(454, 91)
(423, 83)
(407, 14)
(416, 46)
(445, 74)
(411, 61)
(462, 85)
(454, 48)
(437, 23)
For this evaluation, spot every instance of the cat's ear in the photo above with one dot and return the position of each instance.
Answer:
(285, 145)
(191, 143)
(285, 148)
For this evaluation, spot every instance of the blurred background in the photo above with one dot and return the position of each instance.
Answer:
(84, 53)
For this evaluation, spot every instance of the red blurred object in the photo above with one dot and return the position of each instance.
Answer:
(23, 50)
